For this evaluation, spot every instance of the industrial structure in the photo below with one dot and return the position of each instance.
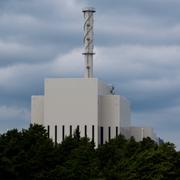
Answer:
(85, 103)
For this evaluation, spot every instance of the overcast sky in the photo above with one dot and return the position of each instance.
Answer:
(137, 45)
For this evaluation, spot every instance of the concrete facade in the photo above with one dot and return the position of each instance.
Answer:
(86, 103)
(143, 132)
(114, 112)
(71, 102)
(37, 110)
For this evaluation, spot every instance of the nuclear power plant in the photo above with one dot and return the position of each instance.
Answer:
(85, 103)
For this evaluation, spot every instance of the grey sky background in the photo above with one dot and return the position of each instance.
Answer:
(137, 45)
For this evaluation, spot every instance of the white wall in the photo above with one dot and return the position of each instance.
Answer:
(80, 101)
(142, 132)
(114, 111)
(125, 112)
(71, 101)
(37, 109)
(125, 131)
(108, 115)
(103, 88)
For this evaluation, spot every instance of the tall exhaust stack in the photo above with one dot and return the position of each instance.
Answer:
(88, 41)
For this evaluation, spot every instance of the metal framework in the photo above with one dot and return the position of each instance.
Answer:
(88, 41)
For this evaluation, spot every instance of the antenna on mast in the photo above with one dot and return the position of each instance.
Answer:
(88, 41)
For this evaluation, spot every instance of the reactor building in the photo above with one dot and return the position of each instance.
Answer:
(85, 103)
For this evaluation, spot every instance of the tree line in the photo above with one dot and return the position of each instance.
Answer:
(30, 155)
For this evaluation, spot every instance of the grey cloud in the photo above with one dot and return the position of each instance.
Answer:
(135, 29)
(148, 75)
(15, 53)
(157, 8)
(39, 39)
(19, 82)
(137, 22)
(137, 50)
(13, 117)
(165, 122)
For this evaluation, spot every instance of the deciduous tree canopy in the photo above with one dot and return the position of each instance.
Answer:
(30, 154)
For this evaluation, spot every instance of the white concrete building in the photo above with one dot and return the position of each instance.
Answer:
(86, 103)
(143, 132)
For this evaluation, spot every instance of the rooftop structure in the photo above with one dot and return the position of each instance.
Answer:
(88, 41)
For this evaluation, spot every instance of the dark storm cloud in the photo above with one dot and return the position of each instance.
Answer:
(137, 50)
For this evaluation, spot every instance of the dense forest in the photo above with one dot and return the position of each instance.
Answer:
(30, 155)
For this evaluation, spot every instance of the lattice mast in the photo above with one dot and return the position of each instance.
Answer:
(88, 41)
